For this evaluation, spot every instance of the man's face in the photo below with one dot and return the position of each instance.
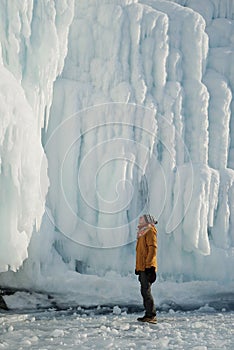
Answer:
(142, 221)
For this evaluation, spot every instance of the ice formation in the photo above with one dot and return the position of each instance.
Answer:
(130, 105)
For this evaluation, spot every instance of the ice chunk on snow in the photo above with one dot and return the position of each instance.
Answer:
(57, 333)
(116, 310)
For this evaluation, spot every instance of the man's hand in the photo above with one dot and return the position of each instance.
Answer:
(151, 274)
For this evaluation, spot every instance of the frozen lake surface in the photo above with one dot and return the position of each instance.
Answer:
(95, 329)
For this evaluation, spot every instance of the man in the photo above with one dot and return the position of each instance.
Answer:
(146, 264)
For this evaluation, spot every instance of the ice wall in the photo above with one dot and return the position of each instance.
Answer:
(135, 102)
(107, 132)
(158, 56)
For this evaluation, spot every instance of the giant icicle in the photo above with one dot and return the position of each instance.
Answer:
(33, 39)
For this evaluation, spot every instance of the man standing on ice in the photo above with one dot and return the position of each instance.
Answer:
(146, 264)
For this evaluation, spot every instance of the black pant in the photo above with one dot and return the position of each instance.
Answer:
(148, 300)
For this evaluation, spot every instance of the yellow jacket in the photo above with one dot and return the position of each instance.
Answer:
(146, 250)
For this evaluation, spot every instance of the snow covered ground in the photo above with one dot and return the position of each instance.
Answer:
(80, 329)
(193, 315)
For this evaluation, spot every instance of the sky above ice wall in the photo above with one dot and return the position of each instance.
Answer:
(136, 103)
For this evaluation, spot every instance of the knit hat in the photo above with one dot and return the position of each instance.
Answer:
(150, 219)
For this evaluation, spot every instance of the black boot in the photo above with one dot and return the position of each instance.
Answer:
(150, 319)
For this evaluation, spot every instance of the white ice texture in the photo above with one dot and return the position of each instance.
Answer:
(82, 329)
(110, 109)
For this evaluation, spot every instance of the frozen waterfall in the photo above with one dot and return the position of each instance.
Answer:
(109, 109)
